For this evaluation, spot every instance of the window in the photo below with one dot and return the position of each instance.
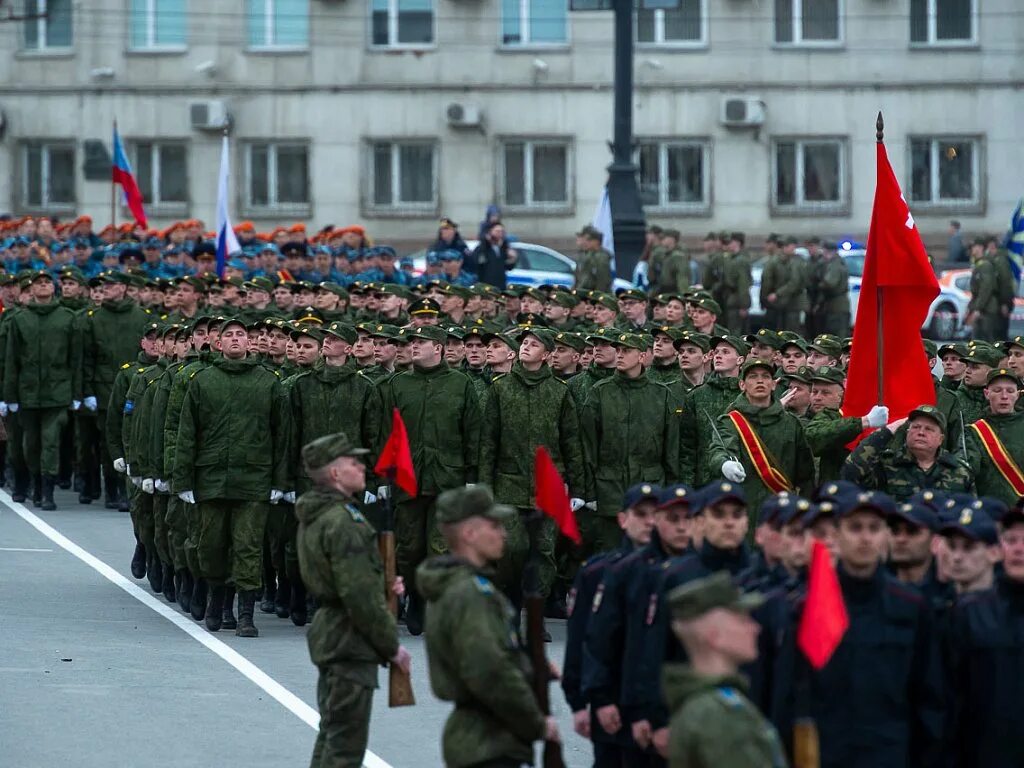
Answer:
(277, 176)
(402, 23)
(47, 24)
(682, 26)
(403, 175)
(675, 174)
(942, 22)
(808, 22)
(535, 173)
(161, 171)
(945, 171)
(48, 175)
(157, 24)
(277, 23)
(534, 22)
(809, 175)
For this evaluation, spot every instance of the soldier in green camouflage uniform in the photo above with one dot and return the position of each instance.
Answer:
(832, 303)
(1002, 392)
(981, 358)
(983, 311)
(594, 263)
(665, 360)
(784, 290)
(670, 271)
(736, 285)
(473, 647)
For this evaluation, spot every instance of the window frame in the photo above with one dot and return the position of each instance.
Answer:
(978, 177)
(157, 206)
(798, 41)
(662, 43)
(46, 206)
(274, 208)
(151, 45)
(41, 48)
(529, 207)
(802, 208)
(393, 44)
(932, 21)
(397, 208)
(664, 143)
(269, 7)
(524, 24)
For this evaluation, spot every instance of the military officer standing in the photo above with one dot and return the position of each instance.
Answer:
(594, 263)
(736, 285)
(983, 312)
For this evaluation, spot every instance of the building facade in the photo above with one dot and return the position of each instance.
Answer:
(749, 115)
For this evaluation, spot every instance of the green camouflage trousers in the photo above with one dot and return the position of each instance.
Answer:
(416, 537)
(177, 531)
(230, 542)
(344, 720)
(518, 532)
(41, 431)
(161, 534)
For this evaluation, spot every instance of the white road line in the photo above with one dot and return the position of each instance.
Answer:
(284, 697)
(23, 549)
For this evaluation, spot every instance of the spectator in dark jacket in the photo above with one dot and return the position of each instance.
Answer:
(492, 258)
(957, 250)
(449, 238)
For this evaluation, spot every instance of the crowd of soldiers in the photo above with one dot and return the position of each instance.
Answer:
(235, 420)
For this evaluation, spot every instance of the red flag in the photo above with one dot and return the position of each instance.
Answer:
(552, 499)
(896, 269)
(395, 460)
(824, 620)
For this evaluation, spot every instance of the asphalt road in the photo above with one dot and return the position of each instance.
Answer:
(97, 672)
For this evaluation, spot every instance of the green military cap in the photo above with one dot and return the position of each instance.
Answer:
(384, 331)
(829, 374)
(693, 294)
(136, 281)
(307, 330)
(563, 299)
(503, 337)
(733, 341)
(196, 282)
(479, 327)
(673, 332)
(534, 293)
(665, 298)
(695, 598)
(710, 305)
(167, 330)
(847, 343)
(8, 279)
(572, 340)
(117, 277)
(631, 293)
(1002, 373)
(670, 233)
(152, 329)
(630, 341)
(827, 344)
(39, 274)
(701, 340)
(1016, 341)
(755, 362)
(402, 337)
(984, 354)
(365, 327)
(455, 332)
(459, 504)
(342, 331)
(543, 335)
(391, 289)
(328, 448)
(460, 291)
(427, 307)
(259, 284)
(431, 332)
(765, 336)
(929, 412)
(225, 322)
(801, 374)
(930, 349)
(604, 299)
(603, 336)
(73, 273)
(790, 339)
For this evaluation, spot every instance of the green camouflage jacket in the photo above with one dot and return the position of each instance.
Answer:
(701, 408)
(115, 406)
(138, 433)
(585, 380)
(984, 287)
(834, 287)
(42, 361)
(736, 282)
(110, 336)
(828, 432)
(172, 416)
(593, 270)
(672, 274)
(972, 403)
(988, 480)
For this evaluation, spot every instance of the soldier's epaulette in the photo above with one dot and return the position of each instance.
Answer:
(90, 313)
(147, 311)
(483, 585)
(499, 376)
(561, 381)
(729, 696)
(163, 317)
(126, 365)
(141, 369)
(679, 410)
(193, 374)
(278, 374)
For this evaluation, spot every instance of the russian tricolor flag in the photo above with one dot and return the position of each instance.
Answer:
(227, 243)
(122, 174)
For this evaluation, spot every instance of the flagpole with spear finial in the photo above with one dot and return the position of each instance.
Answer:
(879, 136)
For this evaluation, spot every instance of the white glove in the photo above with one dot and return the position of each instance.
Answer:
(137, 482)
(188, 497)
(290, 497)
(369, 498)
(90, 403)
(276, 496)
(734, 471)
(591, 505)
(148, 485)
(76, 404)
(383, 492)
(471, 485)
(163, 486)
(3, 408)
(13, 407)
(576, 504)
(120, 466)
(878, 416)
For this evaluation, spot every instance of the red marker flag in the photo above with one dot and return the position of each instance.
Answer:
(824, 620)
(552, 498)
(395, 460)
(899, 280)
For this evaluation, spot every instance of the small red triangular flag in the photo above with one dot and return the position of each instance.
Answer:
(824, 620)
(551, 498)
(395, 460)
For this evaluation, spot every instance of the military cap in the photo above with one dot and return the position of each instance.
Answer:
(733, 341)
(695, 598)
(829, 374)
(790, 339)
(603, 336)
(631, 293)
(169, 329)
(848, 344)
(530, 319)
(394, 289)
(382, 331)
(310, 315)
(776, 507)
(294, 248)
(40, 274)
(974, 525)
(1016, 341)
(307, 330)
(603, 299)
(752, 363)
(836, 490)
(765, 336)
(342, 331)
(983, 353)
(505, 338)
(198, 283)
(823, 509)
(710, 305)
(259, 284)
(591, 231)
(795, 511)
(543, 335)
(459, 291)
(665, 298)
(327, 449)
(572, 340)
(73, 273)
(1003, 373)
(137, 281)
(916, 515)
(402, 337)
(877, 501)
(459, 504)
(9, 279)
(630, 341)
(673, 332)
(425, 307)
(152, 329)
(673, 233)
(640, 492)
(701, 340)
(934, 500)
(563, 299)
(455, 332)
(112, 276)
(930, 349)
(721, 490)
(433, 333)
(25, 278)
(802, 374)
(225, 322)
(680, 493)
(929, 412)
(827, 344)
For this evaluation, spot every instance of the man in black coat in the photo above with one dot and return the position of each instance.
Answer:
(492, 258)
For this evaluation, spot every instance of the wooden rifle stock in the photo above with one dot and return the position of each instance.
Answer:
(400, 693)
(806, 753)
(534, 604)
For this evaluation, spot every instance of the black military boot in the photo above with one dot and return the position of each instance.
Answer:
(215, 608)
(48, 505)
(282, 603)
(21, 481)
(414, 616)
(228, 620)
(170, 592)
(246, 607)
(37, 490)
(185, 587)
(112, 486)
(139, 561)
(155, 573)
(298, 603)
(198, 604)
(267, 604)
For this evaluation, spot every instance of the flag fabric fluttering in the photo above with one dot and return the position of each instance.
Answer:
(551, 496)
(1015, 243)
(122, 174)
(897, 273)
(824, 620)
(227, 243)
(602, 221)
(395, 460)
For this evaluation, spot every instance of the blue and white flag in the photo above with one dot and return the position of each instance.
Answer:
(227, 243)
(602, 221)
(1015, 242)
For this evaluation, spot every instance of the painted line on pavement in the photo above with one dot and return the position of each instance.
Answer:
(284, 697)
(23, 549)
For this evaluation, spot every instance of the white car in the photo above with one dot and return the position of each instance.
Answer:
(537, 265)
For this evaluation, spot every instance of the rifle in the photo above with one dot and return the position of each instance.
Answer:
(400, 693)
(718, 434)
(806, 747)
(533, 601)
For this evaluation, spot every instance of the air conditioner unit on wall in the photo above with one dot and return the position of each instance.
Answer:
(742, 111)
(464, 115)
(209, 115)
